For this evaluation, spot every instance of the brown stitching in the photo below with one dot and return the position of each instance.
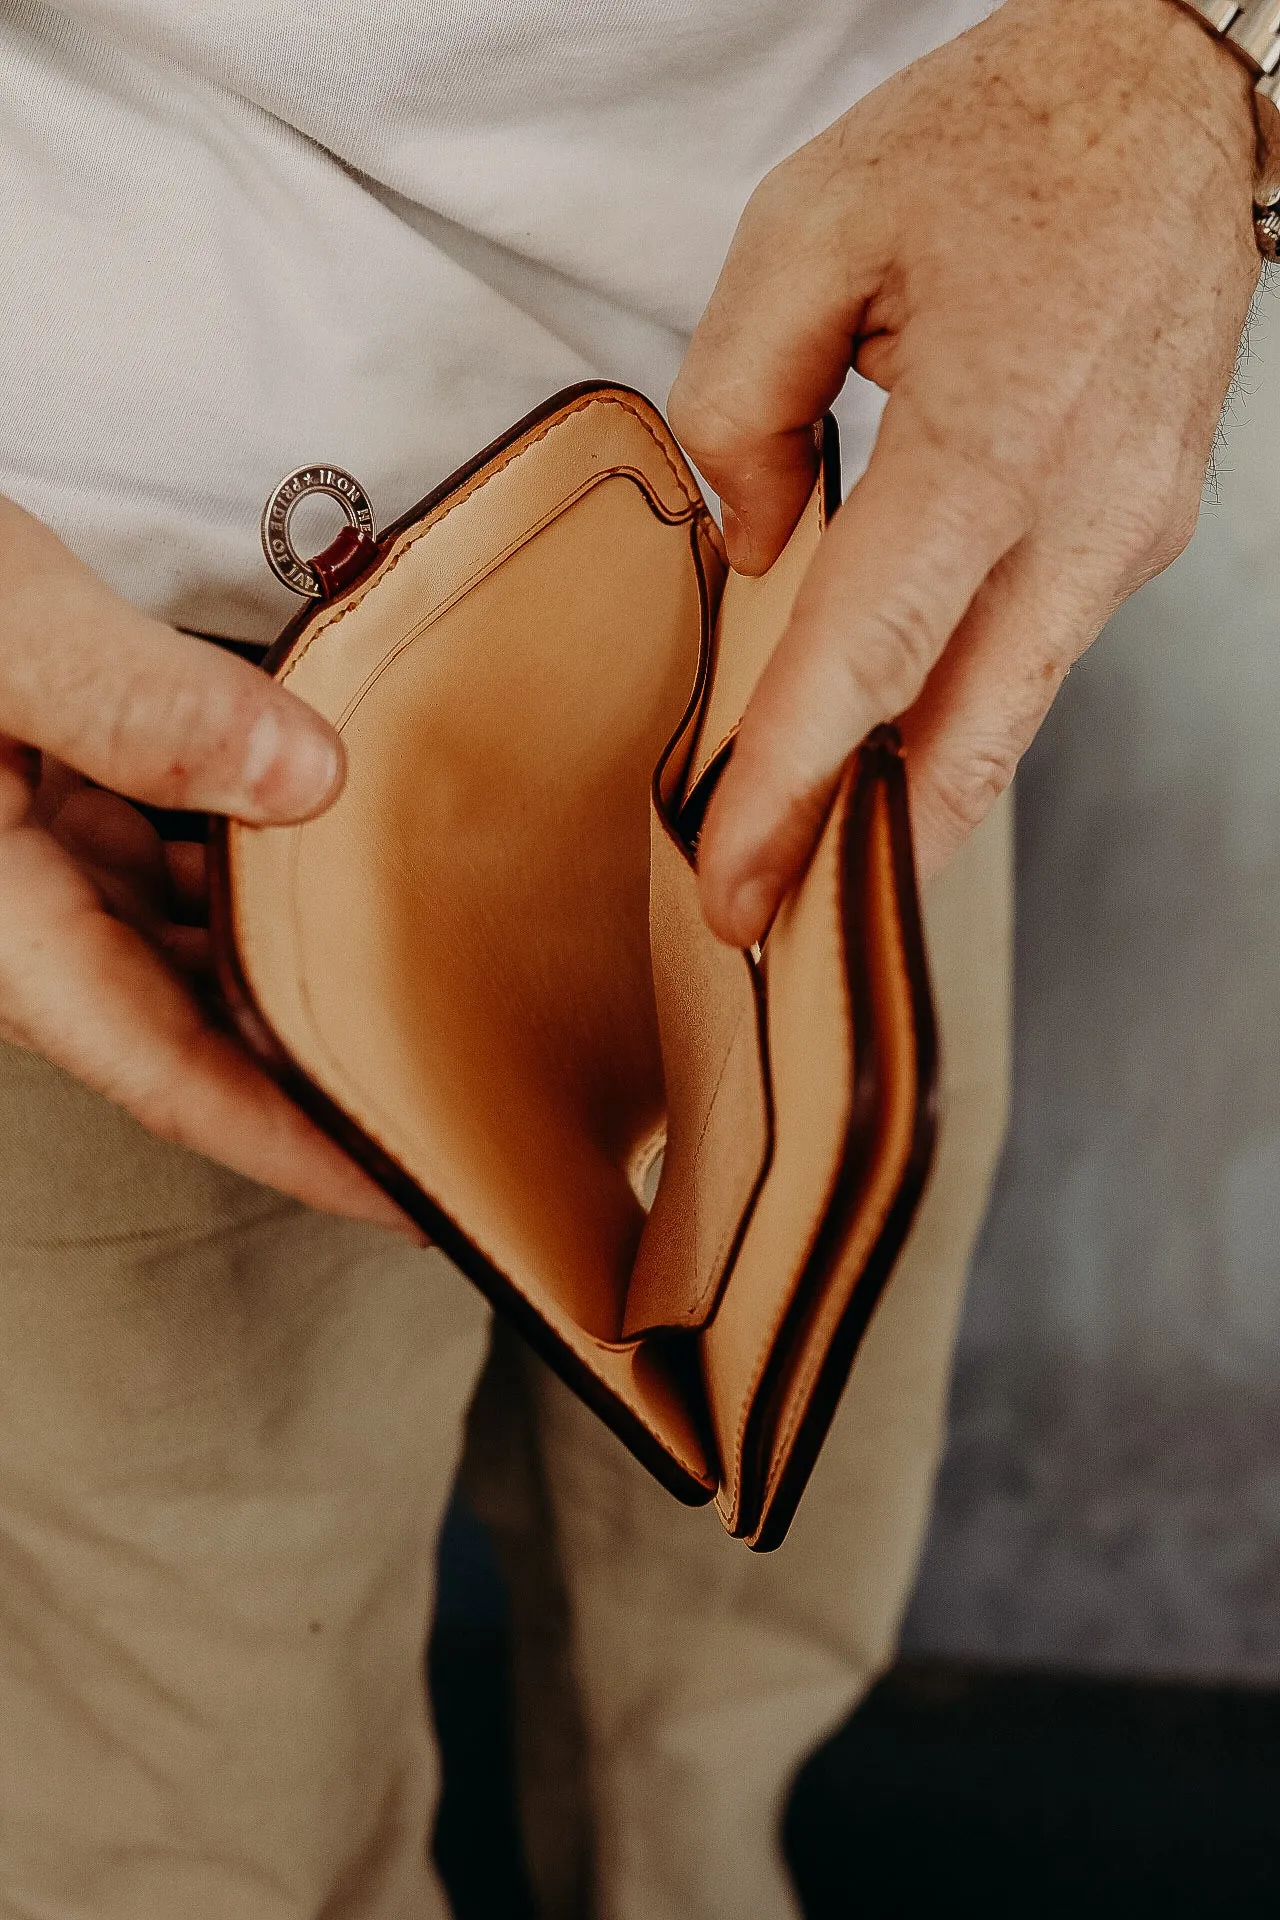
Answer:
(713, 756)
(468, 492)
(485, 573)
(767, 1343)
(357, 1096)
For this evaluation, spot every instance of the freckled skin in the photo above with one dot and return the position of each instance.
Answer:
(1038, 242)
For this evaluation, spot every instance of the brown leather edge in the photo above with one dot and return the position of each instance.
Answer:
(882, 763)
(287, 639)
(261, 1041)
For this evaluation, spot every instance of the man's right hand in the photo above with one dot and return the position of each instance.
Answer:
(94, 972)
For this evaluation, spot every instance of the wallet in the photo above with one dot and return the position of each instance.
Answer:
(683, 1171)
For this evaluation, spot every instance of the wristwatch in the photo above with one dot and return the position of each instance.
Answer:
(1252, 32)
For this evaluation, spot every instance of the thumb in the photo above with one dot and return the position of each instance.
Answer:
(768, 357)
(140, 708)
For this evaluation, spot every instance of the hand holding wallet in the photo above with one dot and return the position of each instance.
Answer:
(485, 971)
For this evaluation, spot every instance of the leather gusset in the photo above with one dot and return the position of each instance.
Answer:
(485, 972)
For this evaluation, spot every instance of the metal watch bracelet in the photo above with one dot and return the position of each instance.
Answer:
(1252, 32)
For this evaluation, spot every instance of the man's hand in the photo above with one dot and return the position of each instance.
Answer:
(96, 950)
(1038, 242)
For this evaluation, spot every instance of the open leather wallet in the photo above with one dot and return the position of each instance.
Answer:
(484, 970)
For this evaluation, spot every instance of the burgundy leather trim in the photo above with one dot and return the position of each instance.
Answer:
(344, 560)
(881, 765)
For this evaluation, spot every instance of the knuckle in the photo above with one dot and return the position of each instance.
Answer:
(1180, 524)
(149, 719)
(704, 424)
(962, 793)
(886, 667)
(1150, 535)
(998, 464)
(186, 734)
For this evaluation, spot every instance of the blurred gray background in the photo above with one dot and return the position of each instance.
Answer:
(1111, 1496)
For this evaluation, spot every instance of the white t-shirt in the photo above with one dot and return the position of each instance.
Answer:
(238, 235)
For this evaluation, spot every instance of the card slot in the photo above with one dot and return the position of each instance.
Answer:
(710, 998)
(851, 1039)
(711, 1028)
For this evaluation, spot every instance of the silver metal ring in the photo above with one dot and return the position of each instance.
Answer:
(282, 557)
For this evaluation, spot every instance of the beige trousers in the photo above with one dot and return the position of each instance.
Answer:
(228, 1431)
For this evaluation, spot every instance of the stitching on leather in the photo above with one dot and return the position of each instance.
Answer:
(477, 580)
(766, 1343)
(469, 491)
(717, 1257)
(358, 1098)
(730, 1509)
(715, 753)
(813, 1366)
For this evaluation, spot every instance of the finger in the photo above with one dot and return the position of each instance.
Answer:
(103, 827)
(141, 708)
(120, 851)
(891, 580)
(89, 994)
(189, 949)
(988, 695)
(187, 864)
(56, 782)
(770, 354)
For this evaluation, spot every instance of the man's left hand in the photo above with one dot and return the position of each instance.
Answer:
(1038, 241)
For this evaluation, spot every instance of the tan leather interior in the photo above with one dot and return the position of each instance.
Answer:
(487, 964)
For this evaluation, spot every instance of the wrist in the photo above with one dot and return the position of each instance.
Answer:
(1228, 76)
(1162, 51)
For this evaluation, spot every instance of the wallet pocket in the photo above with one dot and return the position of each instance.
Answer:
(485, 971)
(711, 1023)
(851, 1050)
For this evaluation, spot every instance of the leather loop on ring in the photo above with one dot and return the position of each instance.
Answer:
(300, 575)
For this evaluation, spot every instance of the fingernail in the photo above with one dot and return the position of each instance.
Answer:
(736, 541)
(289, 772)
(752, 906)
